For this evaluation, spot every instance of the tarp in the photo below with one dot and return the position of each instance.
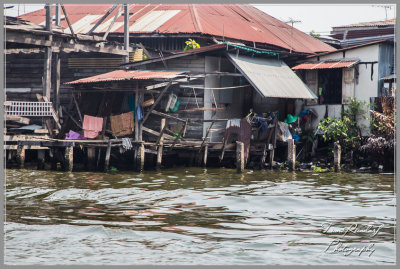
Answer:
(271, 77)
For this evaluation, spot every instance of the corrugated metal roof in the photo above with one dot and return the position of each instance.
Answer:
(271, 77)
(353, 47)
(177, 55)
(119, 75)
(234, 22)
(325, 65)
(390, 22)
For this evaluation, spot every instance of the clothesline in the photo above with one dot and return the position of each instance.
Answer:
(223, 88)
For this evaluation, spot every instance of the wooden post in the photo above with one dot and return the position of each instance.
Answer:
(126, 32)
(160, 144)
(291, 157)
(337, 156)
(272, 151)
(21, 156)
(57, 77)
(140, 134)
(264, 156)
(58, 14)
(53, 156)
(140, 158)
(40, 156)
(69, 158)
(107, 158)
(205, 155)
(48, 54)
(239, 156)
(91, 158)
(136, 118)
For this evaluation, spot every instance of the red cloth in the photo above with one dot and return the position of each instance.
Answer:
(92, 126)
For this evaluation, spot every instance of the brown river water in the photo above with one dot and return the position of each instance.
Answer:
(194, 216)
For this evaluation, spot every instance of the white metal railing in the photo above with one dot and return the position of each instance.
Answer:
(28, 109)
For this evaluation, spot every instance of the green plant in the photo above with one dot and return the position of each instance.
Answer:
(313, 34)
(316, 168)
(346, 130)
(191, 44)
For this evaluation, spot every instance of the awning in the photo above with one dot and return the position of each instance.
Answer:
(390, 77)
(326, 64)
(271, 77)
(123, 75)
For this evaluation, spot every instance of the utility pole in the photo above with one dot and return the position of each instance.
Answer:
(292, 21)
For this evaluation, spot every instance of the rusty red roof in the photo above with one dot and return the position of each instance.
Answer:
(213, 47)
(235, 22)
(326, 65)
(119, 75)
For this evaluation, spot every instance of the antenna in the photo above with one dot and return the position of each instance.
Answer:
(386, 7)
(292, 21)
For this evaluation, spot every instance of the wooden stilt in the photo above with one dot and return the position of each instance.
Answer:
(40, 156)
(91, 158)
(205, 155)
(69, 158)
(9, 155)
(140, 158)
(239, 156)
(272, 151)
(160, 144)
(291, 157)
(53, 155)
(57, 68)
(337, 156)
(264, 156)
(107, 158)
(271, 158)
(21, 156)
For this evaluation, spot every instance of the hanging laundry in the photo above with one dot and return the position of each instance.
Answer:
(122, 124)
(71, 135)
(139, 111)
(126, 145)
(283, 133)
(92, 126)
(176, 106)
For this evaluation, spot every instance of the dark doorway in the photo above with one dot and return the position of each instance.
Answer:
(330, 86)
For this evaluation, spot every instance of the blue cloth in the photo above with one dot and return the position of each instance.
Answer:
(296, 137)
(139, 111)
(303, 112)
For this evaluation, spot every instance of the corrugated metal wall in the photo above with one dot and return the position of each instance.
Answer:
(386, 63)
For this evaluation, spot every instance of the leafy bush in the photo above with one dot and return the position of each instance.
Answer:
(191, 44)
(346, 130)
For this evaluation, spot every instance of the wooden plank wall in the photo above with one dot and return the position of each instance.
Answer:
(25, 71)
(193, 63)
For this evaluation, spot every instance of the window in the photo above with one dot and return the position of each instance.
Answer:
(330, 86)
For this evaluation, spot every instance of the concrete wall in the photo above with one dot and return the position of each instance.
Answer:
(365, 77)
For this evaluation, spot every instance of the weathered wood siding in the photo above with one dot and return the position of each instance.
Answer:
(193, 63)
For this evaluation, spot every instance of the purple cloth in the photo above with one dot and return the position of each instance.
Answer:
(74, 136)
